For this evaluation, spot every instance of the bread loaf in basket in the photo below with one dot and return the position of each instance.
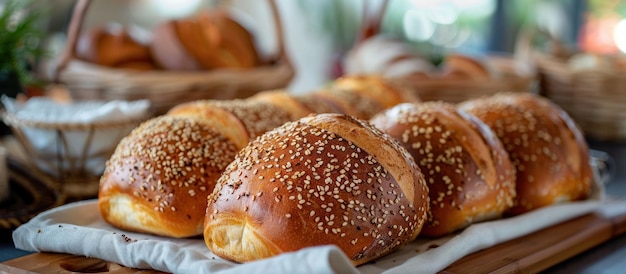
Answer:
(167, 88)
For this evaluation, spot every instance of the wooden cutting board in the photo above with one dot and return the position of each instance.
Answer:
(528, 254)
(538, 251)
(64, 263)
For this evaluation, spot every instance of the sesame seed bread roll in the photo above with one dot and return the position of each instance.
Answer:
(284, 100)
(365, 96)
(256, 117)
(458, 66)
(355, 103)
(159, 176)
(324, 179)
(347, 106)
(219, 118)
(316, 104)
(548, 150)
(468, 172)
(386, 92)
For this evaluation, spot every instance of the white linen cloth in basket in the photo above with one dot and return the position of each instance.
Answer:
(47, 113)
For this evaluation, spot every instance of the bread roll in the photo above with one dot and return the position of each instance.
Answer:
(365, 96)
(113, 46)
(249, 118)
(468, 172)
(349, 102)
(235, 44)
(324, 179)
(317, 104)
(208, 41)
(159, 176)
(465, 67)
(283, 99)
(386, 56)
(548, 150)
(344, 102)
(167, 50)
(386, 92)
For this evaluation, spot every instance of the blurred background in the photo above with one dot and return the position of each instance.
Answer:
(320, 30)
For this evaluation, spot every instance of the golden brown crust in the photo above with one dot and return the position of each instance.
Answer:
(167, 50)
(353, 102)
(217, 41)
(219, 118)
(386, 92)
(208, 41)
(283, 99)
(236, 44)
(257, 117)
(365, 96)
(462, 66)
(316, 104)
(549, 152)
(309, 183)
(469, 175)
(159, 176)
(200, 39)
(338, 104)
(113, 48)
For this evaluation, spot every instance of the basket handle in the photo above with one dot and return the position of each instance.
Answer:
(78, 16)
(80, 11)
(525, 52)
(371, 26)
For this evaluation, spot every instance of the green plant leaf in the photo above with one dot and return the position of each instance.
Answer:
(20, 37)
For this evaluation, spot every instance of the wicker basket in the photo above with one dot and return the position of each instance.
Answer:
(458, 90)
(510, 77)
(167, 88)
(594, 98)
(76, 158)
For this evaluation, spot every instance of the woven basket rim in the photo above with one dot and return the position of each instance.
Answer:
(557, 65)
(13, 120)
(592, 97)
(99, 76)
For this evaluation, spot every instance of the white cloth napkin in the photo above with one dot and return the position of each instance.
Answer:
(78, 229)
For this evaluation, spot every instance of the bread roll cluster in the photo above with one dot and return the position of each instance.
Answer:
(393, 58)
(159, 176)
(495, 156)
(360, 163)
(114, 46)
(469, 174)
(455, 67)
(548, 150)
(210, 40)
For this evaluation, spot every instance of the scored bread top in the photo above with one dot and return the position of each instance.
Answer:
(284, 100)
(159, 176)
(386, 92)
(548, 150)
(390, 155)
(256, 117)
(469, 175)
(324, 179)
